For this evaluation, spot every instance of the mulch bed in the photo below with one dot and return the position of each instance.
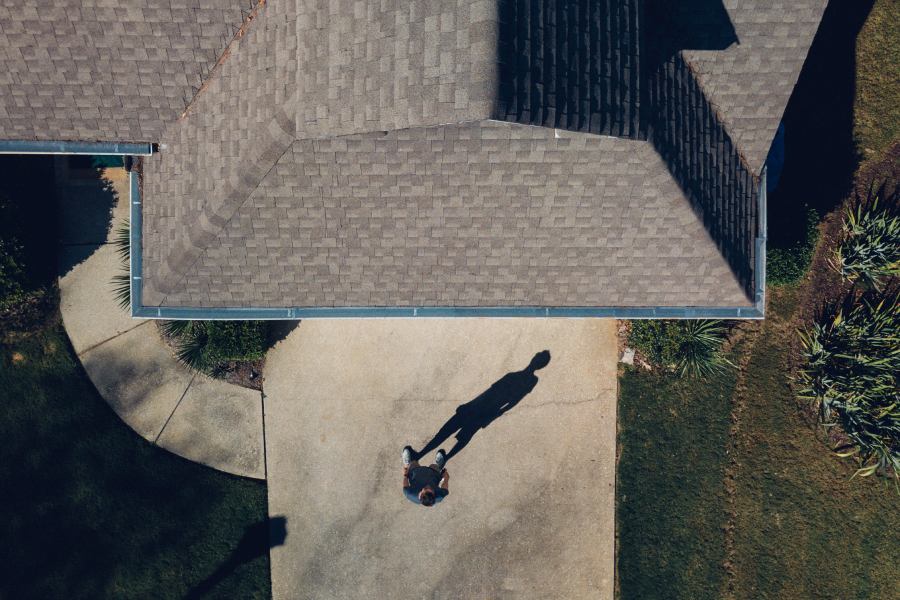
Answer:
(824, 284)
(246, 374)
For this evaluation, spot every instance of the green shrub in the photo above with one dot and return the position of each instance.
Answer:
(208, 345)
(869, 252)
(787, 265)
(851, 360)
(12, 268)
(690, 347)
(11, 274)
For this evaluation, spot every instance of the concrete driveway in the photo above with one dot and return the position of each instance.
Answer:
(531, 507)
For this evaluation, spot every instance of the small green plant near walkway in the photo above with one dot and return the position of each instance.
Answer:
(690, 348)
(209, 345)
(869, 251)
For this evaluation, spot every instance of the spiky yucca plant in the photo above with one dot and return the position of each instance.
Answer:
(869, 252)
(691, 348)
(851, 361)
(701, 348)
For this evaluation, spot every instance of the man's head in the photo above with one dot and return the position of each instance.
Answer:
(426, 496)
(540, 360)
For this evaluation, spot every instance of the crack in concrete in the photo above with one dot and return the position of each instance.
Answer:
(599, 398)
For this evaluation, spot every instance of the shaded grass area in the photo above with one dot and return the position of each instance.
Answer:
(671, 503)
(802, 528)
(877, 102)
(91, 510)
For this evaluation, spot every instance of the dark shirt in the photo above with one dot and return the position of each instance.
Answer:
(419, 477)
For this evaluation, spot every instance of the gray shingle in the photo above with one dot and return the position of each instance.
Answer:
(339, 153)
(612, 228)
(101, 56)
(750, 82)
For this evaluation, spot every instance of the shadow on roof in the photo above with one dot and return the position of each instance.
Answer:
(689, 25)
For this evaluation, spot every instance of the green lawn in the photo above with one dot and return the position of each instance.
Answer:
(672, 440)
(803, 529)
(877, 104)
(90, 510)
(798, 526)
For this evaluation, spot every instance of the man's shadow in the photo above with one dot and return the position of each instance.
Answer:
(477, 414)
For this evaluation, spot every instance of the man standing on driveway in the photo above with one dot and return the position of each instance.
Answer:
(425, 485)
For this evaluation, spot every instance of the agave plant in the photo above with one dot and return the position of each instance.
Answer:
(851, 360)
(869, 252)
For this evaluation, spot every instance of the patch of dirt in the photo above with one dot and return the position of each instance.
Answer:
(248, 374)
(17, 358)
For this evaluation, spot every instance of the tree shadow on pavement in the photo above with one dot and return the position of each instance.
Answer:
(256, 542)
(477, 414)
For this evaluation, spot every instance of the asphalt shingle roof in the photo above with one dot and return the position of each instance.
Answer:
(476, 214)
(353, 152)
(751, 81)
(105, 70)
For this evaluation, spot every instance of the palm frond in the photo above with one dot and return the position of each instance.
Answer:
(121, 284)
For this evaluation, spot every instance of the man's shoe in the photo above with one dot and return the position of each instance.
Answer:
(440, 459)
(407, 455)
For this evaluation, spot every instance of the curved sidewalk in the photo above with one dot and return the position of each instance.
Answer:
(202, 419)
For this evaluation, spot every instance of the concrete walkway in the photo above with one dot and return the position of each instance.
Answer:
(202, 419)
(531, 509)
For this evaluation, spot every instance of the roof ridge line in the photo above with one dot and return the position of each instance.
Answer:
(386, 131)
(201, 251)
(718, 116)
(226, 52)
(490, 119)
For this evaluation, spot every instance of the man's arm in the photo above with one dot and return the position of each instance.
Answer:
(445, 480)
(405, 477)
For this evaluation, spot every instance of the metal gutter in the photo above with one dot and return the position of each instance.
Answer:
(293, 313)
(262, 314)
(762, 235)
(93, 148)
(135, 226)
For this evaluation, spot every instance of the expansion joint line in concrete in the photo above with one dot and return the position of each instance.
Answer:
(109, 339)
(262, 407)
(177, 404)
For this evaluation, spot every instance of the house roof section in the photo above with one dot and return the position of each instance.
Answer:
(105, 70)
(476, 214)
(750, 81)
(346, 110)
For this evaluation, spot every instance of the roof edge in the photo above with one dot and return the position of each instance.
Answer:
(68, 147)
(139, 311)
